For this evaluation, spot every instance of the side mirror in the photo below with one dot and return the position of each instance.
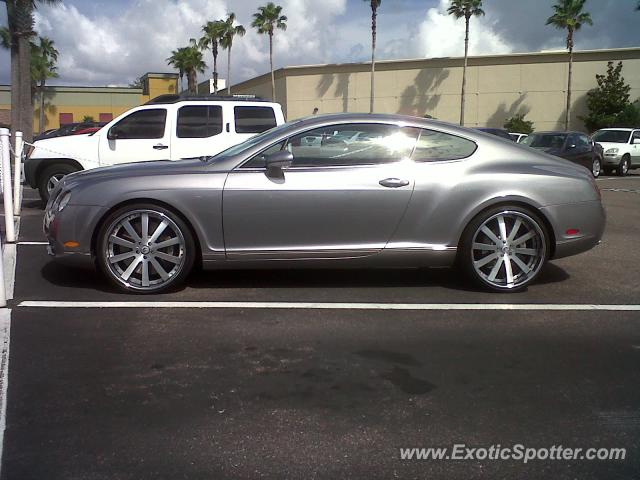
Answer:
(113, 133)
(275, 162)
(571, 147)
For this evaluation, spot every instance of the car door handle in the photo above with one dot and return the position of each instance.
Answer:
(160, 146)
(393, 182)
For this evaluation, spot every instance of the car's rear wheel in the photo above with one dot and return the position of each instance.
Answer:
(504, 248)
(623, 166)
(145, 248)
(51, 177)
(596, 167)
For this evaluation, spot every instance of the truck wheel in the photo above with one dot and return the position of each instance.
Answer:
(623, 166)
(51, 177)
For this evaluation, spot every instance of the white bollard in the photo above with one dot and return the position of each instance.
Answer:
(10, 231)
(17, 175)
(3, 293)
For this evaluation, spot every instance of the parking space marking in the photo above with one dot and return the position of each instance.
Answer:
(5, 330)
(33, 243)
(336, 306)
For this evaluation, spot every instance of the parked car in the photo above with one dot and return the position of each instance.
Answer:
(69, 129)
(621, 149)
(167, 128)
(576, 147)
(498, 132)
(518, 137)
(423, 193)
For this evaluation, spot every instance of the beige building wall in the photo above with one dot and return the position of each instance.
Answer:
(498, 87)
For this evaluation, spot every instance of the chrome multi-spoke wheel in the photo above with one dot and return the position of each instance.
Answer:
(507, 249)
(145, 249)
(596, 168)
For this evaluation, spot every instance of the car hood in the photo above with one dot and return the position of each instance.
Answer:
(135, 169)
(78, 147)
(607, 145)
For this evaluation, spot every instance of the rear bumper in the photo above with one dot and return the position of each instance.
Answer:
(589, 218)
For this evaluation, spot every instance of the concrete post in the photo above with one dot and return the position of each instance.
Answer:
(17, 176)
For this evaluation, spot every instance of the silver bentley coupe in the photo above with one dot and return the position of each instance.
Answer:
(343, 190)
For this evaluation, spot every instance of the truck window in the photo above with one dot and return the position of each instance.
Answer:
(254, 119)
(142, 124)
(199, 121)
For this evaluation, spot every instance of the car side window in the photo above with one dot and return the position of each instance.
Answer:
(143, 124)
(582, 141)
(433, 146)
(635, 136)
(199, 121)
(254, 119)
(351, 144)
(258, 160)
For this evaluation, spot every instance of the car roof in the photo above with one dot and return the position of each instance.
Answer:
(624, 129)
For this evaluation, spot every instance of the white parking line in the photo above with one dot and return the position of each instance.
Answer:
(5, 330)
(336, 306)
(33, 243)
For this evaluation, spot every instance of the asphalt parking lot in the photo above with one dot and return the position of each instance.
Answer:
(160, 391)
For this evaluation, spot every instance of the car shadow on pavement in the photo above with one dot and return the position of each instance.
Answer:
(447, 278)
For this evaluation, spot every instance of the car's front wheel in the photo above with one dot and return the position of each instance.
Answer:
(504, 248)
(145, 248)
(596, 167)
(623, 166)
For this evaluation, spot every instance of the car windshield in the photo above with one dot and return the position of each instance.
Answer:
(547, 140)
(612, 136)
(251, 142)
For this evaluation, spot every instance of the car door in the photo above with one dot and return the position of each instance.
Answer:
(571, 150)
(143, 134)
(336, 200)
(635, 148)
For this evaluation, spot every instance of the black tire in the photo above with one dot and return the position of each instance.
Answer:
(57, 170)
(596, 167)
(465, 259)
(624, 165)
(187, 249)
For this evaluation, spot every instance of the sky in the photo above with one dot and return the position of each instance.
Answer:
(112, 42)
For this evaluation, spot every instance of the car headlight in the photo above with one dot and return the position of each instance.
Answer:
(611, 151)
(64, 200)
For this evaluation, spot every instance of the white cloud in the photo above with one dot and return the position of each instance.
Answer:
(442, 35)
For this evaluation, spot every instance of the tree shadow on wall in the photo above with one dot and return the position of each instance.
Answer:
(415, 99)
(49, 107)
(503, 112)
(342, 82)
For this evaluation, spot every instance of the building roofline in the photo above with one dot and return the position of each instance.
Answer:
(72, 88)
(522, 57)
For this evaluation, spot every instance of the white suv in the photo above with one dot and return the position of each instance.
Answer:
(167, 128)
(621, 149)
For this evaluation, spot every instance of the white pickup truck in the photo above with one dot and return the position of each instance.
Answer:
(167, 128)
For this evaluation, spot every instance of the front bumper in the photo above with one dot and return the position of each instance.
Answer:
(589, 218)
(611, 159)
(76, 223)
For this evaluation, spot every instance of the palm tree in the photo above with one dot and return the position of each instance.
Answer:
(465, 9)
(178, 60)
(226, 42)
(266, 20)
(210, 40)
(375, 4)
(20, 20)
(569, 15)
(43, 66)
(194, 64)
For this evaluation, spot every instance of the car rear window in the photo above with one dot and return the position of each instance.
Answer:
(434, 146)
(199, 121)
(254, 119)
